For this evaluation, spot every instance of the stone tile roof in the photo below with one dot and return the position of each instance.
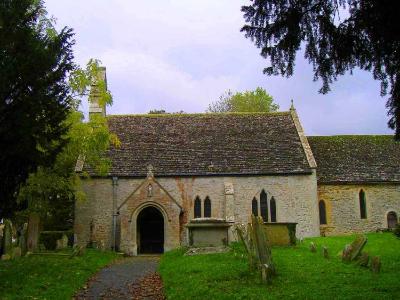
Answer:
(207, 144)
(356, 158)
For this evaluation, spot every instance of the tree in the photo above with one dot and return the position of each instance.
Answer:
(337, 35)
(157, 112)
(34, 93)
(248, 101)
(51, 191)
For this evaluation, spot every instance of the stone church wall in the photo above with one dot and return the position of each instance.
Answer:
(343, 208)
(295, 195)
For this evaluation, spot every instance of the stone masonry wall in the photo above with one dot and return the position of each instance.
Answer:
(296, 201)
(343, 209)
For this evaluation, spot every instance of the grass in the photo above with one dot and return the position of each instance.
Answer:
(301, 274)
(49, 277)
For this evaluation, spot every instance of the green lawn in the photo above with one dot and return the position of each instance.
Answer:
(301, 274)
(49, 277)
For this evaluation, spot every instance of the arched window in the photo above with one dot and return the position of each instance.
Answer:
(391, 220)
(197, 208)
(272, 204)
(363, 206)
(322, 212)
(207, 208)
(254, 207)
(264, 206)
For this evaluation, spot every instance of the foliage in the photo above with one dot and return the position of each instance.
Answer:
(337, 35)
(397, 230)
(157, 111)
(301, 274)
(49, 277)
(248, 101)
(51, 191)
(34, 93)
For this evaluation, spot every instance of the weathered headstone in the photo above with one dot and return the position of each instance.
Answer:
(356, 247)
(102, 246)
(75, 239)
(353, 251)
(325, 252)
(16, 252)
(376, 264)
(1, 238)
(313, 247)
(7, 237)
(363, 260)
(22, 243)
(62, 243)
(33, 232)
(6, 257)
(346, 254)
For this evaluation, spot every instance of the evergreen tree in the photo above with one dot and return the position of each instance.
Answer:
(337, 35)
(34, 94)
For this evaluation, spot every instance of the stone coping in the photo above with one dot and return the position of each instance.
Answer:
(209, 222)
(280, 223)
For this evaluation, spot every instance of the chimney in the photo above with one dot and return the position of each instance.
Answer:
(94, 96)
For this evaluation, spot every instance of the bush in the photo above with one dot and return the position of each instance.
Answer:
(397, 230)
(49, 238)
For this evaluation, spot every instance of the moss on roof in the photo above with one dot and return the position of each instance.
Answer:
(169, 115)
(356, 158)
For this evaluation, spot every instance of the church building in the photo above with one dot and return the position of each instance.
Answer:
(173, 169)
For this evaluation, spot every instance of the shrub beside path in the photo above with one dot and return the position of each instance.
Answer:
(128, 278)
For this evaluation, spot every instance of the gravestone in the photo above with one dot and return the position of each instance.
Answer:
(363, 259)
(376, 264)
(1, 238)
(16, 252)
(353, 251)
(7, 237)
(325, 252)
(313, 247)
(75, 239)
(62, 243)
(33, 232)
(6, 257)
(346, 254)
(23, 239)
(101, 246)
(357, 245)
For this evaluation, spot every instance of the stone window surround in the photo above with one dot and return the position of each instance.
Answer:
(202, 207)
(257, 198)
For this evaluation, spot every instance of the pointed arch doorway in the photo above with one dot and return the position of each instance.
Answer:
(150, 231)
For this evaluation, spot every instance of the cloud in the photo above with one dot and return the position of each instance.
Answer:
(164, 85)
(181, 55)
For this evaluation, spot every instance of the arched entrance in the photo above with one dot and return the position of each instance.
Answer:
(391, 220)
(150, 231)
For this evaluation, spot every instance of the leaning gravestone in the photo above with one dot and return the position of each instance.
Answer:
(33, 232)
(357, 246)
(353, 251)
(7, 237)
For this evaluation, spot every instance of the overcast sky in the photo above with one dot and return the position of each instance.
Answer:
(181, 55)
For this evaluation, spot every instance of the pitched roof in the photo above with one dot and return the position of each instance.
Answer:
(356, 158)
(207, 144)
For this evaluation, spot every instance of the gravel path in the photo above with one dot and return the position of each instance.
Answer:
(118, 280)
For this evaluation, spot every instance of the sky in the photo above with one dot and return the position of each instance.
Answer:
(181, 55)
